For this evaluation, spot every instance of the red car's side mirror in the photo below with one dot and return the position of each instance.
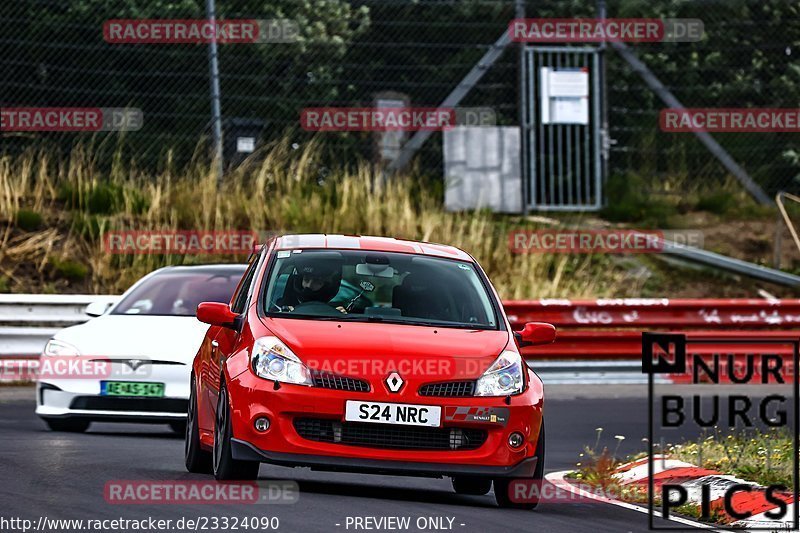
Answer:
(535, 334)
(217, 314)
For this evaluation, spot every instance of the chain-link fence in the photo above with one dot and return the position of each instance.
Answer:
(54, 54)
(750, 57)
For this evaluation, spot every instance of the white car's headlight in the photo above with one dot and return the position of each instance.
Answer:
(272, 359)
(503, 377)
(59, 348)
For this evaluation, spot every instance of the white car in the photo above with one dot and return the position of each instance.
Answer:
(133, 361)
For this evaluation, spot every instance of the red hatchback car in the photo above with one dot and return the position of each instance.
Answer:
(367, 354)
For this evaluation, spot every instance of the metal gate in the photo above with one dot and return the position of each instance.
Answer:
(563, 158)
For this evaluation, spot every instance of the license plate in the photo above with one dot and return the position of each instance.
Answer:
(393, 413)
(131, 388)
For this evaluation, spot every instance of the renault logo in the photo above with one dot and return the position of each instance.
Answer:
(394, 382)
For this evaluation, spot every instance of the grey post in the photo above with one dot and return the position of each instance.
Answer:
(605, 131)
(522, 102)
(216, 113)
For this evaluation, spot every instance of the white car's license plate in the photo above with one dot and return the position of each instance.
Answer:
(393, 413)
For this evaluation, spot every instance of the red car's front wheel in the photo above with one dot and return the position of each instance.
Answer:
(225, 466)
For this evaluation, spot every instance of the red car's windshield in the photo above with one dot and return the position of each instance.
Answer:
(378, 286)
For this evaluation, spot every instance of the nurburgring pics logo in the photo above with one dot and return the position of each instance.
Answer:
(723, 397)
(199, 31)
(559, 30)
(622, 241)
(729, 120)
(394, 118)
(70, 119)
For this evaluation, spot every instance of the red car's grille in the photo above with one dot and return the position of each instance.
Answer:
(448, 388)
(389, 435)
(327, 380)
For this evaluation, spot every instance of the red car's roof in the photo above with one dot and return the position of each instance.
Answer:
(378, 244)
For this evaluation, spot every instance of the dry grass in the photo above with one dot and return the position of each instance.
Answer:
(278, 190)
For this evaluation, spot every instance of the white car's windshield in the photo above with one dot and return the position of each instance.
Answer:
(378, 286)
(177, 293)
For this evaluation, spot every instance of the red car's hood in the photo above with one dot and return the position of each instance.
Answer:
(360, 349)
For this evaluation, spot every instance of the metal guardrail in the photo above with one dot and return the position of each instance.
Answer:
(730, 264)
(27, 321)
(591, 372)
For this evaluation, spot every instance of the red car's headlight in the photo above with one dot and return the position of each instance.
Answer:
(272, 359)
(503, 377)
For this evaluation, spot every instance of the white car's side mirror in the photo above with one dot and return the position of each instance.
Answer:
(97, 308)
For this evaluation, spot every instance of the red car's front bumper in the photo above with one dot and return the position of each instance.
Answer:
(252, 397)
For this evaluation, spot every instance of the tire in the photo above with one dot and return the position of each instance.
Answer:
(69, 425)
(224, 465)
(178, 427)
(197, 460)
(474, 486)
(501, 485)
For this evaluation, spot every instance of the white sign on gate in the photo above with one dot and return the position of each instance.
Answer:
(564, 95)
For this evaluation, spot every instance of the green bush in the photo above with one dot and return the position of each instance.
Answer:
(29, 220)
(139, 204)
(628, 201)
(718, 202)
(69, 195)
(105, 199)
(69, 269)
(87, 226)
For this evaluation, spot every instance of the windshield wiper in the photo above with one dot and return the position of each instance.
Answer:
(389, 320)
(329, 318)
(355, 318)
(383, 319)
(448, 325)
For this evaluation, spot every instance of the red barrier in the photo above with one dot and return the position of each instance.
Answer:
(657, 313)
(612, 328)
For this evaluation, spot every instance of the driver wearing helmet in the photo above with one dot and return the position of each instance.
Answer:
(317, 279)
